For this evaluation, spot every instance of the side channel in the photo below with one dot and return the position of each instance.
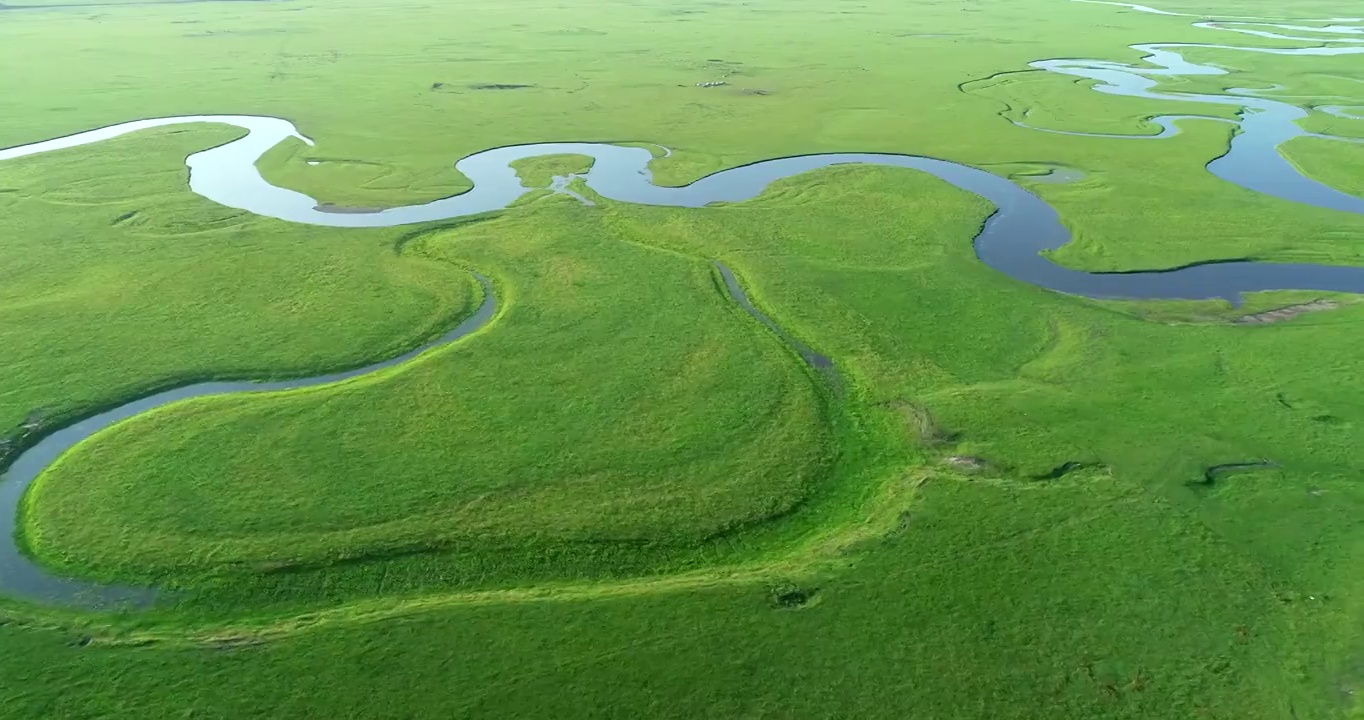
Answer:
(23, 578)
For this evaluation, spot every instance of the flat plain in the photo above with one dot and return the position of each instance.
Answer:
(624, 497)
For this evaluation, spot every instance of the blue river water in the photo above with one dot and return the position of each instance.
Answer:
(1012, 240)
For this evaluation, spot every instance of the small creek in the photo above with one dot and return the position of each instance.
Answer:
(21, 577)
(1253, 160)
(1012, 240)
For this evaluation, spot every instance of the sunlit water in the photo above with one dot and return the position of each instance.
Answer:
(1011, 242)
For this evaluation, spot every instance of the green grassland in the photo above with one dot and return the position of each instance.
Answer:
(625, 497)
(114, 279)
(1072, 599)
(1333, 163)
(1325, 80)
(586, 413)
(539, 172)
(830, 89)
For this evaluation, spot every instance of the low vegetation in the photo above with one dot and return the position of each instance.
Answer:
(539, 172)
(586, 416)
(625, 497)
(114, 280)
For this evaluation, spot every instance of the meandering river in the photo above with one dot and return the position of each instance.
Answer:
(1012, 240)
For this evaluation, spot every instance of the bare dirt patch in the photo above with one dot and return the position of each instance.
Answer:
(969, 463)
(446, 87)
(347, 209)
(1286, 313)
(923, 429)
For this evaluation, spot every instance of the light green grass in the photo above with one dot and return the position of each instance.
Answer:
(1051, 101)
(1334, 163)
(1070, 574)
(839, 79)
(539, 172)
(114, 280)
(988, 604)
(587, 412)
(593, 507)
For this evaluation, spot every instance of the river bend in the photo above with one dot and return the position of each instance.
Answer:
(1012, 241)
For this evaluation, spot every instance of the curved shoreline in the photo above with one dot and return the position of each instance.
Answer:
(22, 577)
(1344, 111)
(1011, 241)
(1252, 160)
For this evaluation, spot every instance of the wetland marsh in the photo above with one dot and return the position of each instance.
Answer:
(815, 398)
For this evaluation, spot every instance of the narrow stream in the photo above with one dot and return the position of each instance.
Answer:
(736, 291)
(21, 577)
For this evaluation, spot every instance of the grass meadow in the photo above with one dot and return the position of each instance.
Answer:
(625, 497)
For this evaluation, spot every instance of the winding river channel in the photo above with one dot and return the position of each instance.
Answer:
(1012, 240)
